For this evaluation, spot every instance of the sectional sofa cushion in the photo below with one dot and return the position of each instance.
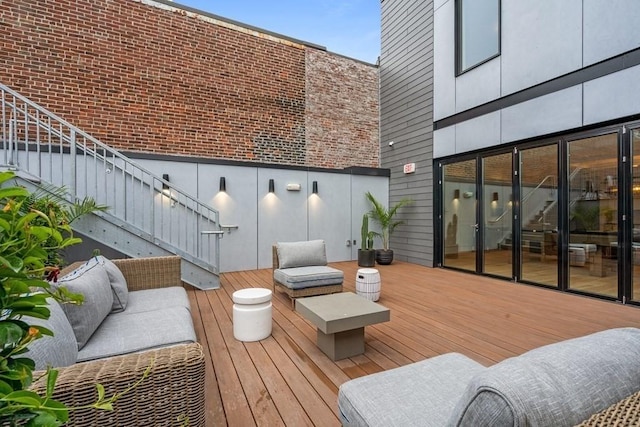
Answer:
(59, 350)
(419, 394)
(305, 277)
(555, 385)
(118, 284)
(301, 254)
(92, 281)
(124, 332)
(157, 299)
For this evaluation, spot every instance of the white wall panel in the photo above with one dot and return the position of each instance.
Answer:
(481, 132)
(546, 114)
(610, 28)
(478, 86)
(613, 96)
(444, 142)
(329, 213)
(541, 39)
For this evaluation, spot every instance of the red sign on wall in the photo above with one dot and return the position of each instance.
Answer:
(410, 168)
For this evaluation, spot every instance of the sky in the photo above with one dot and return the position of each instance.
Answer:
(348, 27)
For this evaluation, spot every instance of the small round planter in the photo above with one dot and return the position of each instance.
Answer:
(384, 257)
(366, 258)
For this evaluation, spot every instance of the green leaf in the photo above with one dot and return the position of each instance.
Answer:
(52, 376)
(5, 388)
(104, 406)
(100, 390)
(25, 397)
(10, 333)
(61, 410)
(44, 419)
(11, 192)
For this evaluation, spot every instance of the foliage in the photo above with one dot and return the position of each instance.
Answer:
(366, 236)
(385, 217)
(27, 238)
(585, 218)
(51, 201)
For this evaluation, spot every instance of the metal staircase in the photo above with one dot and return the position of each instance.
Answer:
(147, 215)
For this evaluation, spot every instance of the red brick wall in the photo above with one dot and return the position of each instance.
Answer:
(342, 111)
(162, 80)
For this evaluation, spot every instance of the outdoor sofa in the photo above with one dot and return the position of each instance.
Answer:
(557, 385)
(142, 320)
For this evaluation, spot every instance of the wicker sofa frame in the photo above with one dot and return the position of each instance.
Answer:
(299, 293)
(173, 393)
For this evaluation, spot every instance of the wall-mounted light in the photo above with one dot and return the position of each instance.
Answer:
(456, 194)
(272, 186)
(223, 184)
(165, 176)
(294, 187)
(495, 196)
(314, 187)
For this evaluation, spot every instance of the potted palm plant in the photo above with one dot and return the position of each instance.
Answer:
(385, 218)
(366, 253)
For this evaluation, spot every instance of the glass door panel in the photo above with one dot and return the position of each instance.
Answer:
(593, 215)
(498, 213)
(539, 215)
(459, 217)
(635, 247)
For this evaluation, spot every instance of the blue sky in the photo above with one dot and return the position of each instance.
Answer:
(347, 27)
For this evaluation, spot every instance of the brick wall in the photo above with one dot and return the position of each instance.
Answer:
(342, 111)
(147, 77)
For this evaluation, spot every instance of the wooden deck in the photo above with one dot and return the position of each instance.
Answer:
(286, 380)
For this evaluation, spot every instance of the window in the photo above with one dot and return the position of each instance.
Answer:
(477, 32)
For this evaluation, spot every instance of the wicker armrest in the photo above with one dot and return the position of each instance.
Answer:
(172, 392)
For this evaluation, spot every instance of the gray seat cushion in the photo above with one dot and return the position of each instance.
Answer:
(307, 277)
(419, 394)
(123, 333)
(556, 385)
(157, 299)
(59, 350)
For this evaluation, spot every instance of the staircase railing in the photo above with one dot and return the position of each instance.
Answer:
(38, 143)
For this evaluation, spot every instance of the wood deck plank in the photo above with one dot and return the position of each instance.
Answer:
(287, 380)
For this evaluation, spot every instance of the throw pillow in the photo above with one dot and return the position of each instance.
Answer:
(92, 281)
(301, 254)
(118, 285)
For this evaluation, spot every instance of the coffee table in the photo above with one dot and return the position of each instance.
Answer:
(340, 320)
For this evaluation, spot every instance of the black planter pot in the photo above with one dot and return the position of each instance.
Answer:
(366, 258)
(384, 257)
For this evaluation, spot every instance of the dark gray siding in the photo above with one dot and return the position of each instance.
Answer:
(406, 110)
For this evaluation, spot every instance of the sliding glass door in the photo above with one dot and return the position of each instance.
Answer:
(539, 215)
(460, 226)
(498, 214)
(593, 215)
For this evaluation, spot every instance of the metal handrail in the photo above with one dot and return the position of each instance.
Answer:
(51, 149)
(524, 199)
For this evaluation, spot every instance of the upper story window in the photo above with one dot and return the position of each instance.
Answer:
(477, 32)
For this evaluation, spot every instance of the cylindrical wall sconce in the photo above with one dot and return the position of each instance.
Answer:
(456, 194)
(495, 196)
(272, 186)
(314, 187)
(223, 184)
(165, 176)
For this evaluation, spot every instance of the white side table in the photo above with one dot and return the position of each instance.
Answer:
(252, 319)
(368, 283)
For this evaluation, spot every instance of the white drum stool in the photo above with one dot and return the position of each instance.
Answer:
(368, 283)
(252, 314)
